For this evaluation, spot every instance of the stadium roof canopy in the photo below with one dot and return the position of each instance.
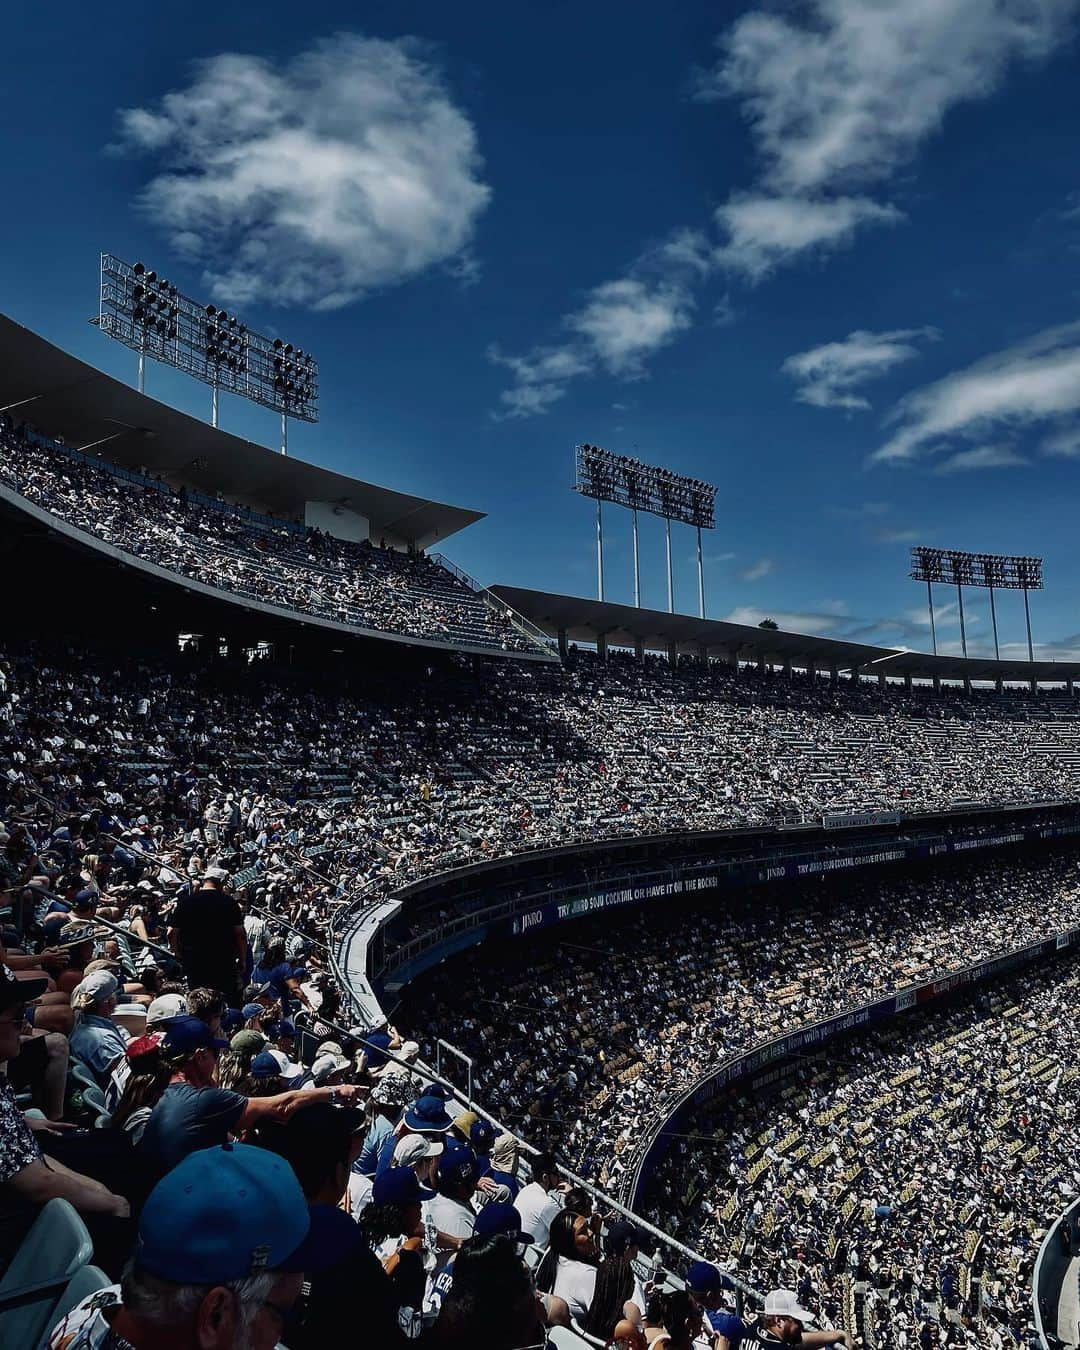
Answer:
(625, 626)
(64, 397)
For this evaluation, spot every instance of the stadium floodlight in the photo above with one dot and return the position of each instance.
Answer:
(149, 315)
(627, 481)
(1002, 571)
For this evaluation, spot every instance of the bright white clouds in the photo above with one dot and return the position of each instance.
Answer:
(828, 376)
(982, 457)
(1033, 384)
(349, 168)
(618, 327)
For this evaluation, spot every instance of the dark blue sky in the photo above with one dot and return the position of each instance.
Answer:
(504, 230)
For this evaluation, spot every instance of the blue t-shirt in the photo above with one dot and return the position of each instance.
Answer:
(728, 1324)
(187, 1119)
(368, 1159)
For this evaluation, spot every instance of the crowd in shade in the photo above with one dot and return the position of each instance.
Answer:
(359, 584)
(920, 1163)
(588, 1042)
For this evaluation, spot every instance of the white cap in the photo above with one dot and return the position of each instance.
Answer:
(166, 1005)
(413, 1148)
(783, 1303)
(327, 1065)
(215, 874)
(94, 988)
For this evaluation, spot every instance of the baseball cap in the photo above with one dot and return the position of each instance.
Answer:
(248, 1042)
(95, 988)
(143, 1045)
(85, 900)
(482, 1136)
(232, 1019)
(164, 1007)
(215, 874)
(185, 1035)
(101, 963)
(264, 1065)
(428, 1115)
(325, 1066)
(254, 991)
(252, 1010)
(783, 1303)
(396, 1186)
(229, 1212)
(377, 1045)
(413, 1148)
(458, 1164)
(14, 991)
(619, 1236)
(704, 1278)
(283, 1030)
(74, 933)
(500, 1217)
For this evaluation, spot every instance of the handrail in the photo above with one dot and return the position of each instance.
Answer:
(1050, 1246)
(494, 601)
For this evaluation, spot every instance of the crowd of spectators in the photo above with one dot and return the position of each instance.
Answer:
(361, 585)
(588, 1042)
(921, 1162)
(138, 789)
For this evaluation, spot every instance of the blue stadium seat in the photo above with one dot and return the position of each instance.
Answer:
(82, 1284)
(56, 1247)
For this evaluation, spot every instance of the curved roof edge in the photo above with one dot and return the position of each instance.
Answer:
(625, 625)
(64, 397)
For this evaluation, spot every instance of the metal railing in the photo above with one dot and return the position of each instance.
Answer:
(525, 626)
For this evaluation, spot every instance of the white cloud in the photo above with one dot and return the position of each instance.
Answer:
(847, 95)
(983, 457)
(828, 375)
(617, 328)
(1064, 444)
(763, 232)
(347, 169)
(757, 570)
(841, 93)
(1035, 382)
(897, 536)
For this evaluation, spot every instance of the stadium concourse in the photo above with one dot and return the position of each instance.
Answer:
(202, 1144)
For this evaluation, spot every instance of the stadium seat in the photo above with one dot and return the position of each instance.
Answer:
(56, 1247)
(86, 1281)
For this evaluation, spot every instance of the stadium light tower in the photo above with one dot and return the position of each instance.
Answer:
(608, 477)
(987, 570)
(149, 315)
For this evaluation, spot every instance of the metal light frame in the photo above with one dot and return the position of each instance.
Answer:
(627, 481)
(151, 316)
(992, 571)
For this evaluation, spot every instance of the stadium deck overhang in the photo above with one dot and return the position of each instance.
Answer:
(64, 397)
(589, 621)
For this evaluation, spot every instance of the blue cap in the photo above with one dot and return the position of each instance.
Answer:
(428, 1115)
(229, 1212)
(458, 1165)
(232, 1019)
(277, 1031)
(85, 899)
(482, 1136)
(264, 1065)
(185, 1035)
(704, 1277)
(396, 1186)
(375, 1048)
(250, 1010)
(500, 1217)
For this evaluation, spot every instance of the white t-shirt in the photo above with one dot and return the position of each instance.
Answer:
(450, 1217)
(575, 1282)
(537, 1209)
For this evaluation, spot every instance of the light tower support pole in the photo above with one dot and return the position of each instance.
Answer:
(963, 634)
(599, 550)
(930, 602)
(142, 365)
(213, 404)
(993, 620)
(700, 577)
(1027, 616)
(284, 432)
(670, 585)
(637, 578)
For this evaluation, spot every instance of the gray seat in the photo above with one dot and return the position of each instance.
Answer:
(54, 1249)
(84, 1282)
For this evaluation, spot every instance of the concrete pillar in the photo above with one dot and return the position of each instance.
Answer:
(639, 650)
(881, 679)
(907, 683)
(563, 644)
(673, 654)
(1069, 688)
(787, 668)
(811, 669)
(999, 685)
(601, 646)
(937, 684)
(703, 654)
(1034, 685)
(834, 674)
(761, 664)
(967, 684)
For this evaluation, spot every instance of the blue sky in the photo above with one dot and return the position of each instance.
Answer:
(824, 255)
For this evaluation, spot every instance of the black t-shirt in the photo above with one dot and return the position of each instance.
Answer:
(355, 1281)
(186, 1119)
(205, 921)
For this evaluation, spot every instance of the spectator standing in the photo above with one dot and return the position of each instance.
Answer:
(206, 931)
